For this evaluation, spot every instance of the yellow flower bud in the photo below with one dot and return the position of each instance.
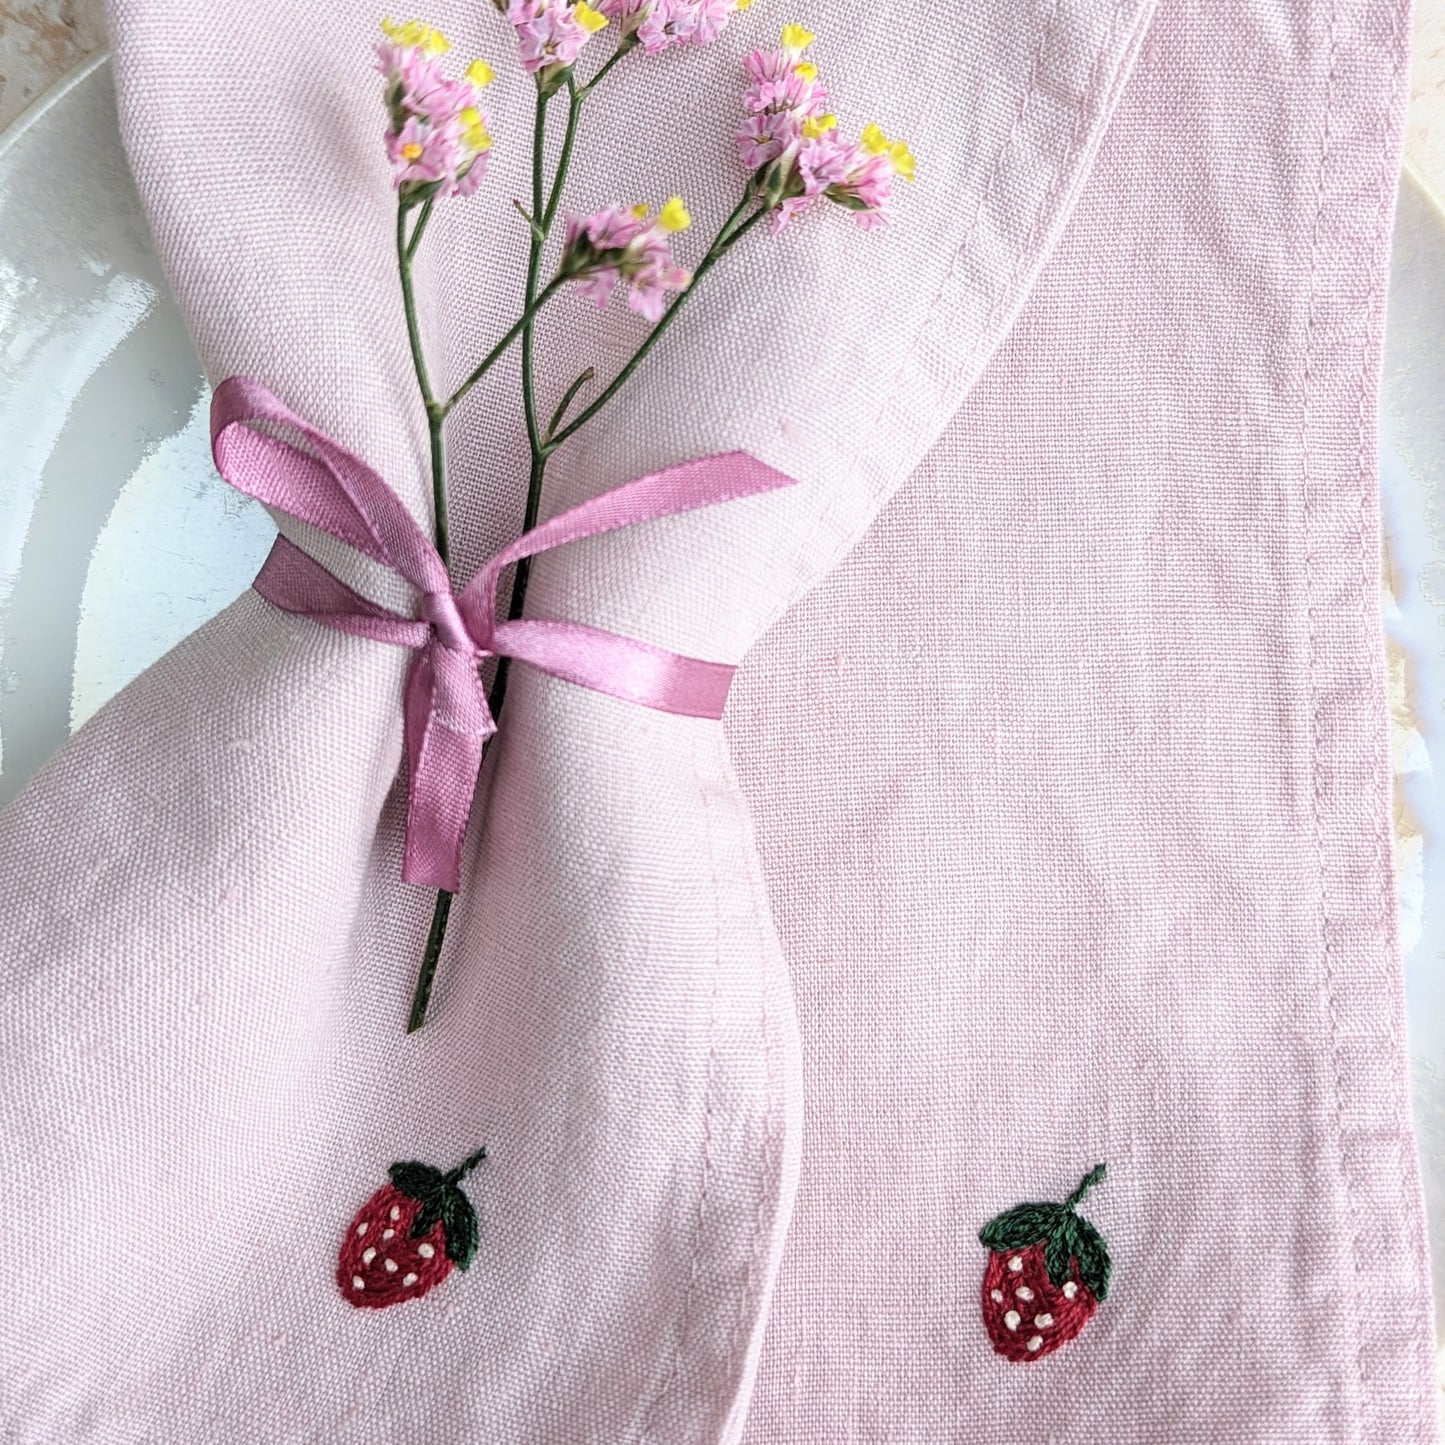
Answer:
(589, 19)
(480, 74)
(674, 216)
(417, 36)
(806, 69)
(639, 211)
(902, 158)
(816, 126)
(474, 130)
(873, 140)
(796, 40)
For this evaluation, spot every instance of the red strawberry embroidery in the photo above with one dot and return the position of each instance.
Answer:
(408, 1235)
(1047, 1272)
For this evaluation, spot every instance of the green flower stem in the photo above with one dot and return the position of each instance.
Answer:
(435, 414)
(422, 993)
(534, 265)
(733, 230)
(567, 398)
(575, 97)
(420, 228)
(436, 419)
(624, 47)
(545, 203)
(523, 213)
(408, 297)
(426, 975)
(495, 354)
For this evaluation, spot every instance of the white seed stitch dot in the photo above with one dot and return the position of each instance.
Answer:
(357, 1282)
(1042, 1322)
(408, 1279)
(1011, 1319)
(361, 1228)
(1036, 1342)
(1070, 1290)
(425, 1250)
(387, 1233)
(389, 1265)
(367, 1255)
(996, 1295)
(1024, 1293)
(395, 1213)
(1016, 1264)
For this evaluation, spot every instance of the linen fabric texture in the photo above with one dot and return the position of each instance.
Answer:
(1050, 825)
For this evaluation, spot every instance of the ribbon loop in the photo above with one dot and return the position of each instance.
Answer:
(447, 718)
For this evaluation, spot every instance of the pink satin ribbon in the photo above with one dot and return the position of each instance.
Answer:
(447, 719)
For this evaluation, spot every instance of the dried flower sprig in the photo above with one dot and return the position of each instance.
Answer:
(438, 139)
(551, 34)
(792, 145)
(614, 246)
(661, 24)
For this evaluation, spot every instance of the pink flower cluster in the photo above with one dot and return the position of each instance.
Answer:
(550, 33)
(662, 24)
(616, 245)
(437, 138)
(792, 144)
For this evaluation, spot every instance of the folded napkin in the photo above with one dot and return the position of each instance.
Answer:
(1068, 786)
(1110, 877)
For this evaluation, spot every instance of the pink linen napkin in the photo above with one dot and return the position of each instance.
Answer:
(1067, 788)
(208, 953)
(1110, 874)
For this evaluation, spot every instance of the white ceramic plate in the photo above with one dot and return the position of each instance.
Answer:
(117, 538)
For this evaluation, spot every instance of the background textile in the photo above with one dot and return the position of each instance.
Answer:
(1073, 792)
(205, 949)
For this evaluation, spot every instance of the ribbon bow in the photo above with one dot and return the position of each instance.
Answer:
(447, 719)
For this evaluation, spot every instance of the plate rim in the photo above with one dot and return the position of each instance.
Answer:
(49, 98)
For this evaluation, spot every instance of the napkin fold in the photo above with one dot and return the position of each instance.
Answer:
(208, 950)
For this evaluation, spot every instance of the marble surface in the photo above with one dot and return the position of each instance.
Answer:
(1425, 124)
(41, 41)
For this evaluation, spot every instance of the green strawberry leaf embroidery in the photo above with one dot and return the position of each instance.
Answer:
(418, 1181)
(427, 1218)
(1021, 1226)
(1093, 1258)
(459, 1220)
(1059, 1250)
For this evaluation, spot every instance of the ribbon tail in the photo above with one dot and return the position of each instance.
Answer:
(444, 760)
(621, 667)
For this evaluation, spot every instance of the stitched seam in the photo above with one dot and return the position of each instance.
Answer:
(1085, 113)
(1308, 479)
(929, 315)
(700, 1229)
(1087, 110)
(1383, 858)
(1031, 87)
(929, 318)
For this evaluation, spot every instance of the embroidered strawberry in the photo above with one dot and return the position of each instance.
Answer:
(1047, 1271)
(408, 1235)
